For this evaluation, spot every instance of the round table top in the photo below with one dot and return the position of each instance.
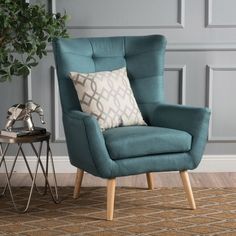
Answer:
(26, 138)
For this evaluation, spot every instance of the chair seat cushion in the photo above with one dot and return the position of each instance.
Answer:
(136, 141)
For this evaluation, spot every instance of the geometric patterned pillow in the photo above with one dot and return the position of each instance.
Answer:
(108, 96)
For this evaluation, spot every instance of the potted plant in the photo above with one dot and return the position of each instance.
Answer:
(25, 31)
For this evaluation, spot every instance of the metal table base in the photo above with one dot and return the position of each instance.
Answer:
(8, 174)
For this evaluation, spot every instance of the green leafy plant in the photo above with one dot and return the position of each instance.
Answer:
(25, 31)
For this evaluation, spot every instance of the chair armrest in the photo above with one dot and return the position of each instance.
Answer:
(180, 117)
(193, 120)
(86, 145)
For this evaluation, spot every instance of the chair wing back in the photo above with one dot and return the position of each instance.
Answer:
(142, 55)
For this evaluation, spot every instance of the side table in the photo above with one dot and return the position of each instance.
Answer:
(5, 142)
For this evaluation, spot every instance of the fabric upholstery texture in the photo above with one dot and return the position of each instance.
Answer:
(108, 96)
(143, 56)
(145, 140)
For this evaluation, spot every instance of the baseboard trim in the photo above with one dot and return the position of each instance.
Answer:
(217, 163)
(210, 163)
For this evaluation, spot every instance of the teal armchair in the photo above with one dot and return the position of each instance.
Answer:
(174, 139)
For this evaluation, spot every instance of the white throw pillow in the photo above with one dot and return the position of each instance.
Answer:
(108, 96)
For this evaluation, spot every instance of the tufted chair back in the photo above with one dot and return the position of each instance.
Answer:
(142, 55)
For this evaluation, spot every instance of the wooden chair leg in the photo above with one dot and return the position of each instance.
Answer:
(188, 190)
(150, 181)
(78, 182)
(111, 187)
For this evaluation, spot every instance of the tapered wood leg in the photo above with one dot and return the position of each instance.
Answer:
(78, 182)
(188, 189)
(111, 187)
(150, 181)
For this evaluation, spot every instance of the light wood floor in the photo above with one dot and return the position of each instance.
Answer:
(161, 180)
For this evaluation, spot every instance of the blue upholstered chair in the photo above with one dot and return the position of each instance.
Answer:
(174, 139)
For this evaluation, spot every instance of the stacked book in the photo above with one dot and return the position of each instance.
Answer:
(19, 132)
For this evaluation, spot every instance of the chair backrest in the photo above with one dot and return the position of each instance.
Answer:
(143, 56)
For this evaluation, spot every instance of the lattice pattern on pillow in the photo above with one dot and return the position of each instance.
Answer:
(108, 96)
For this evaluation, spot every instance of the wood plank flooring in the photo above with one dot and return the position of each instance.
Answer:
(167, 179)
